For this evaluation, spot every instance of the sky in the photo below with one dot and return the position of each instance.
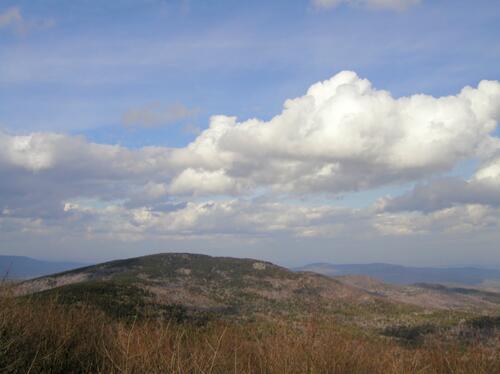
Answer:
(343, 131)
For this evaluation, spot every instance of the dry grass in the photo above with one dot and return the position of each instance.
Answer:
(45, 337)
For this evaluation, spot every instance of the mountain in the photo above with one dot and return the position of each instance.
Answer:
(193, 286)
(20, 267)
(397, 274)
(161, 301)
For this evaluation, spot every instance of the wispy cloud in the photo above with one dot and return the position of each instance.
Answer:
(13, 19)
(368, 4)
(156, 115)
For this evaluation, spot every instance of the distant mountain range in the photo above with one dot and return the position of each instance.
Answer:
(20, 267)
(403, 275)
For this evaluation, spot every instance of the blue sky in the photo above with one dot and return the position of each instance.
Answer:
(152, 73)
(225, 57)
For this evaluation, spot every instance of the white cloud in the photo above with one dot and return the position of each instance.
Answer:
(204, 182)
(253, 218)
(61, 153)
(344, 135)
(461, 219)
(489, 172)
(449, 205)
(374, 4)
(40, 171)
(31, 152)
(482, 188)
(237, 217)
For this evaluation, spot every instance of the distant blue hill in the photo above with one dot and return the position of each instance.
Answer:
(20, 267)
(398, 274)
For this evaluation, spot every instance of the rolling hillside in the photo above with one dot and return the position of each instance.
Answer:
(142, 301)
(192, 286)
(198, 284)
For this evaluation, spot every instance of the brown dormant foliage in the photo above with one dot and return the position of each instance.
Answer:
(43, 337)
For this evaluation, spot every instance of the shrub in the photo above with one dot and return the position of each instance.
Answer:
(43, 336)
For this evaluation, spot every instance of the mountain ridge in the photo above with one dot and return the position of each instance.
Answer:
(407, 275)
(195, 285)
(199, 283)
(14, 267)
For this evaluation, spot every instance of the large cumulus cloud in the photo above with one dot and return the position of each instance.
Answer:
(39, 171)
(342, 135)
(446, 204)
(482, 188)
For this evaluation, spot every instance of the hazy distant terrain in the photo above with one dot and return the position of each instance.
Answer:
(19, 267)
(397, 274)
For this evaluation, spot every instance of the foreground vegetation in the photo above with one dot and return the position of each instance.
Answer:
(45, 336)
